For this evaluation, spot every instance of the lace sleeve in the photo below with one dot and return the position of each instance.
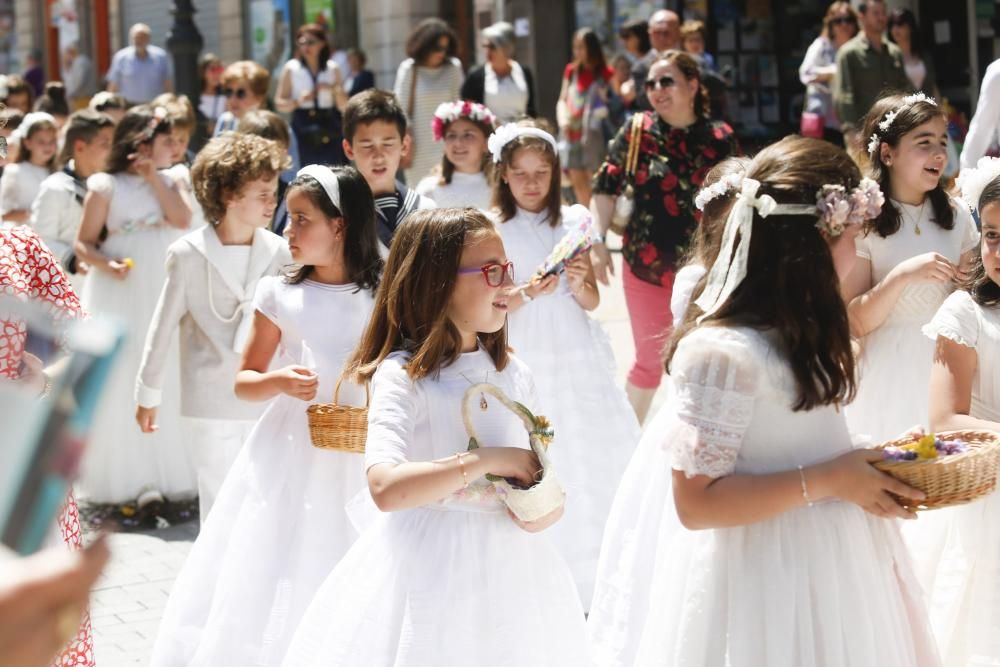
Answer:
(715, 384)
(957, 320)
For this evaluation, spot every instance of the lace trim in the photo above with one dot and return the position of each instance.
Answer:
(709, 428)
(933, 330)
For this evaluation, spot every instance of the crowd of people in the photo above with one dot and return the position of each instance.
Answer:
(800, 305)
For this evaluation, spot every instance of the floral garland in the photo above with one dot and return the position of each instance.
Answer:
(972, 182)
(886, 123)
(160, 114)
(718, 189)
(449, 112)
(837, 208)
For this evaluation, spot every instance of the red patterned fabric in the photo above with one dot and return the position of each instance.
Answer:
(28, 270)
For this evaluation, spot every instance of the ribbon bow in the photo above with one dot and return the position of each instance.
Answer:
(730, 267)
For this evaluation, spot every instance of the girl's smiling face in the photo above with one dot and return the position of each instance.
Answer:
(918, 160)
(465, 146)
(476, 305)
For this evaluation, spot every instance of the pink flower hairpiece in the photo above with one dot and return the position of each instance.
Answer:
(449, 112)
(838, 208)
(160, 114)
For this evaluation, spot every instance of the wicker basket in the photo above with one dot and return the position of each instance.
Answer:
(546, 497)
(340, 427)
(949, 480)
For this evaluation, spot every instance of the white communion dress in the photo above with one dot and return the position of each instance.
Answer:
(454, 582)
(821, 586)
(279, 523)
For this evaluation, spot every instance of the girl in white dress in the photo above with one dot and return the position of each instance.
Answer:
(776, 549)
(957, 550)
(446, 577)
(464, 177)
(142, 213)
(212, 275)
(279, 524)
(566, 349)
(644, 495)
(38, 136)
(909, 260)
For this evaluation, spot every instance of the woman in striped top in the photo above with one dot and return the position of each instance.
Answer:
(430, 76)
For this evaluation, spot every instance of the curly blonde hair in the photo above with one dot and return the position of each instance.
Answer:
(228, 163)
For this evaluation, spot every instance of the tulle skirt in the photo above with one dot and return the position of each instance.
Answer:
(276, 530)
(820, 586)
(596, 430)
(447, 587)
(120, 460)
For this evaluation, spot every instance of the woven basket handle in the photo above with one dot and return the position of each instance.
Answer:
(336, 391)
(513, 406)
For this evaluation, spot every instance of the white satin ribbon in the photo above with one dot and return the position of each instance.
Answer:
(730, 267)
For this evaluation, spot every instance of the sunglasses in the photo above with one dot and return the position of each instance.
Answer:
(308, 42)
(439, 49)
(240, 93)
(843, 20)
(489, 46)
(493, 273)
(663, 82)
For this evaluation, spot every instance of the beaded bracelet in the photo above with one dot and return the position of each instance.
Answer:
(461, 465)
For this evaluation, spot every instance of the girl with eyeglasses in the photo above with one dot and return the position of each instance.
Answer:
(445, 576)
(565, 348)
(311, 88)
(678, 145)
(820, 63)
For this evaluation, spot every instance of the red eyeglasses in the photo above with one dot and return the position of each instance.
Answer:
(493, 273)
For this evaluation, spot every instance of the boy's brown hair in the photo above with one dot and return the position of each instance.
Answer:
(371, 106)
(227, 163)
(180, 110)
(266, 124)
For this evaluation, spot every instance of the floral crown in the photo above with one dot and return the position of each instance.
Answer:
(886, 123)
(449, 112)
(972, 182)
(720, 188)
(835, 208)
(160, 114)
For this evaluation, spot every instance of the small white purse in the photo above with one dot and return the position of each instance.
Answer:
(546, 495)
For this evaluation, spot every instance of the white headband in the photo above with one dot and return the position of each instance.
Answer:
(509, 132)
(835, 208)
(326, 178)
(972, 182)
(32, 119)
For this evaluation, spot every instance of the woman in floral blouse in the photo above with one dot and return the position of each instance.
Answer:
(679, 144)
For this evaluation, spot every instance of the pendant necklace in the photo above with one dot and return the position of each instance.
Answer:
(920, 214)
(483, 405)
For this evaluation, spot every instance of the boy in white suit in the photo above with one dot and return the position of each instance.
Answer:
(211, 277)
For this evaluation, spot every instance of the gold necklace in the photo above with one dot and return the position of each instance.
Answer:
(920, 214)
(483, 405)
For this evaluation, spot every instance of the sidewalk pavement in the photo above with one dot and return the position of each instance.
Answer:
(130, 597)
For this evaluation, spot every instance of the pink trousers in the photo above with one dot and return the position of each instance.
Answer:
(649, 312)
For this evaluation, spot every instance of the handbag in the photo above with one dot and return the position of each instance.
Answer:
(625, 203)
(406, 161)
(319, 126)
(811, 125)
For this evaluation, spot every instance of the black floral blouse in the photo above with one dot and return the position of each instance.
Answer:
(671, 168)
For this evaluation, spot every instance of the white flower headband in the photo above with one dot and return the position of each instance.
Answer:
(718, 189)
(834, 207)
(449, 112)
(886, 123)
(972, 182)
(509, 132)
(30, 120)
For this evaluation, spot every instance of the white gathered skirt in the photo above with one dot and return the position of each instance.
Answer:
(821, 586)
(121, 461)
(277, 528)
(596, 430)
(448, 587)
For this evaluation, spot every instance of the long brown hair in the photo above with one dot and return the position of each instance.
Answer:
(833, 12)
(979, 284)
(412, 301)
(791, 286)
(906, 120)
(503, 198)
